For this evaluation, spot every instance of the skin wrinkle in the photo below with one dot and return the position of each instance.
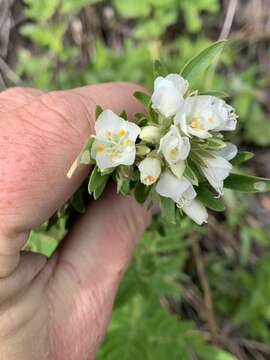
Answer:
(20, 95)
(56, 135)
(64, 115)
(88, 116)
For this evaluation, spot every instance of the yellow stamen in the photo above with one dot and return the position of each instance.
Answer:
(149, 179)
(173, 151)
(121, 133)
(210, 119)
(108, 133)
(195, 124)
(128, 142)
(100, 149)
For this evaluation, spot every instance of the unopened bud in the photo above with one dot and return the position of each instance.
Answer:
(150, 134)
(142, 150)
(150, 170)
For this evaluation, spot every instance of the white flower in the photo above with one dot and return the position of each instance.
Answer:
(215, 171)
(168, 94)
(114, 141)
(228, 152)
(175, 149)
(150, 134)
(150, 170)
(183, 194)
(202, 114)
(174, 146)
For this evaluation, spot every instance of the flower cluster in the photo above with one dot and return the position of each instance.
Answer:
(173, 151)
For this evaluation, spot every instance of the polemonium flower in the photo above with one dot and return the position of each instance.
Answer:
(216, 170)
(174, 146)
(150, 170)
(168, 94)
(114, 141)
(175, 149)
(183, 194)
(200, 115)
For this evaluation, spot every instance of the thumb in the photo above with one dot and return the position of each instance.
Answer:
(94, 256)
(103, 239)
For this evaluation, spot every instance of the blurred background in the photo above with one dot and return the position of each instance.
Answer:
(190, 293)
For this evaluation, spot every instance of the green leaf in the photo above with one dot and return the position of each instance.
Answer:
(99, 110)
(124, 115)
(190, 174)
(142, 97)
(99, 190)
(77, 202)
(215, 144)
(241, 157)
(206, 154)
(196, 159)
(97, 183)
(167, 209)
(208, 199)
(141, 192)
(160, 69)
(246, 183)
(123, 186)
(140, 115)
(153, 114)
(199, 63)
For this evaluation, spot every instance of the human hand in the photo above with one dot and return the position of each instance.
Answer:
(58, 308)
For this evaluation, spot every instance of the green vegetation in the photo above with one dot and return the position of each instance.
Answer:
(190, 293)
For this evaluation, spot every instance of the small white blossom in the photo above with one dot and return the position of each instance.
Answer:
(168, 94)
(114, 141)
(202, 114)
(173, 146)
(150, 134)
(215, 171)
(183, 194)
(150, 170)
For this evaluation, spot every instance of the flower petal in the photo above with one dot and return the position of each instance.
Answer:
(228, 152)
(104, 161)
(196, 211)
(216, 171)
(126, 158)
(180, 83)
(108, 121)
(172, 187)
(133, 130)
(167, 97)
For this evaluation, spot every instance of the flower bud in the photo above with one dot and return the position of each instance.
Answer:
(150, 170)
(150, 134)
(142, 150)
